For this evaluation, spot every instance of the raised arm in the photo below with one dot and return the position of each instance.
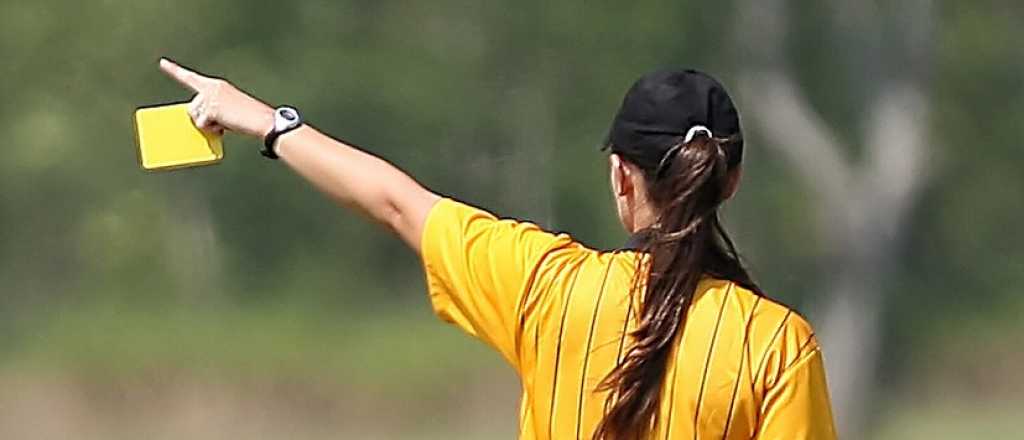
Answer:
(351, 177)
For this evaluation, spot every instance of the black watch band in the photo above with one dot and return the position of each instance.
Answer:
(270, 139)
(286, 119)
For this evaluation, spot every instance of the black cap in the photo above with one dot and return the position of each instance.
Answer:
(663, 106)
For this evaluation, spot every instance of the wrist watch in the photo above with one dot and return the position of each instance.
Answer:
(285, 119)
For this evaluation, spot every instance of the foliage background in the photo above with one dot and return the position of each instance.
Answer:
(233, 300)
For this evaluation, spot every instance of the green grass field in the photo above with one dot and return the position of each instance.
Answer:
(274, 371)
(111, 371)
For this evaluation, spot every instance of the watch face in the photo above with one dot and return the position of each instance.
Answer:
(286, 118)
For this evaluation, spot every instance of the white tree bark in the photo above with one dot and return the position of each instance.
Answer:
(193, 251)
(862, 206)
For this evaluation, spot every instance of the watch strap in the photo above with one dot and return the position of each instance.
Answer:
(270, 139)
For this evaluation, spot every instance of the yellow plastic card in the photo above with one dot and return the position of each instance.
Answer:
(168, 139)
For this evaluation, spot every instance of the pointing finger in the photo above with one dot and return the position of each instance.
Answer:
(185, 77)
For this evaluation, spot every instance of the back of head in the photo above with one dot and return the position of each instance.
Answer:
(661, 108)
(682, 131)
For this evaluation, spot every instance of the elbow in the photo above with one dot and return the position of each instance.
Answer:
(406, 216)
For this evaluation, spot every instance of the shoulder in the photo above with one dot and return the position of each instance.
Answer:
(463, 223)
(776, 336)
(783, 337)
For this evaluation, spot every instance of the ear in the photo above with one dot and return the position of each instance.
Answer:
(733, 183)
(619, 175)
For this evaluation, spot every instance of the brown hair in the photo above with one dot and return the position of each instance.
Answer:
(685, 243)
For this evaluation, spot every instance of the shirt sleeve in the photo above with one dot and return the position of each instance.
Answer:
(797, 406)
(479, 270)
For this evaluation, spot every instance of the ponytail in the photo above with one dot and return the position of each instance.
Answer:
(686, 243)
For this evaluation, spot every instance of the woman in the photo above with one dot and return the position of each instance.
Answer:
(667, 338)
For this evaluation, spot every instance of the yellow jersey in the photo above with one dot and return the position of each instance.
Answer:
(743, 366)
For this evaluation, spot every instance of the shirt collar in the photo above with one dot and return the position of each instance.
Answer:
(637, 241)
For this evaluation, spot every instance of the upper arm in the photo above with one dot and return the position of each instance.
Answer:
(479, 269)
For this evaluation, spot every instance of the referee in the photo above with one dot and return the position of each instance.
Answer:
(666, 338)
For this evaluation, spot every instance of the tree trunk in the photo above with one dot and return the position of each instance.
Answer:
(862, 207)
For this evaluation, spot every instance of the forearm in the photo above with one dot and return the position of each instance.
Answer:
(360, 181)
(351, 177)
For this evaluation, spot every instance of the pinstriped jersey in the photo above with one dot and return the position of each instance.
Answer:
(742, 367)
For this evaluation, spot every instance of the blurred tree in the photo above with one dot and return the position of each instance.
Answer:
(862, 205)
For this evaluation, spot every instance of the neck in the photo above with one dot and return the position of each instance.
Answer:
(643, 218)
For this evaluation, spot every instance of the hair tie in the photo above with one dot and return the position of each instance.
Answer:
(686, 140)
(693, 132)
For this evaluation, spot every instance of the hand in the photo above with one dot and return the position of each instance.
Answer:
(218, 105)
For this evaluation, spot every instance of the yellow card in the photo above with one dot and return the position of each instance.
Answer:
(168, 139)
